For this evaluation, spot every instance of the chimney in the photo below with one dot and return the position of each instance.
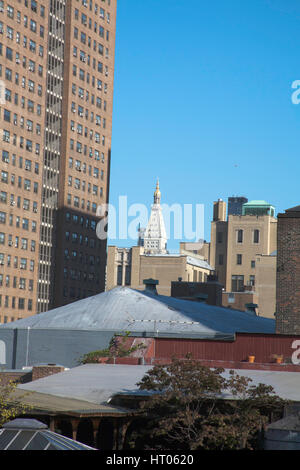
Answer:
(150, 285)
(251, 308)
(219, 211)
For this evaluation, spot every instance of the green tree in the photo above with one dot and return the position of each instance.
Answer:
(117, 348)
(10, 407)
(188, 409)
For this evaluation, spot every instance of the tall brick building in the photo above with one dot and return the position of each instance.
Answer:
(288, 272)
(56, 72)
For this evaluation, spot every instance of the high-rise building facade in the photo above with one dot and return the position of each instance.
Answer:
(56, 77)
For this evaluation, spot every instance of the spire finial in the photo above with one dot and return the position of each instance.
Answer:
(157, 193)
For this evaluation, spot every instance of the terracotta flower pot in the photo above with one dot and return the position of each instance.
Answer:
(279, 360)
(251, 358)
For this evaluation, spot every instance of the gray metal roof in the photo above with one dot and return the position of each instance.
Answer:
(97, 383)
(125, 309)
(92, 383)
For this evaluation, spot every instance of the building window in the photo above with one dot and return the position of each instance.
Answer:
(239, 259)
(252, 280)
(240, 236)
(220, 237)
(252, 264)
(256, 236)
(237, 283)
(119, 276)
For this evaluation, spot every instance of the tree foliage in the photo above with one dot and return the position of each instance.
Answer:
(10, 408)
(194, 407)
(117, 348)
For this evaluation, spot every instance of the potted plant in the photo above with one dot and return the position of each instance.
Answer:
(251, 358)
(278, 358)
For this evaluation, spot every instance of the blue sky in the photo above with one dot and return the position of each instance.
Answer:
(202, 100)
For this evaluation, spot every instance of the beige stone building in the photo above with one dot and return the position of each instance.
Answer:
(242, 251)
(131, 266)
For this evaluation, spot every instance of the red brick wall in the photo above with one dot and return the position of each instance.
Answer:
(38, 372)
(288, 273)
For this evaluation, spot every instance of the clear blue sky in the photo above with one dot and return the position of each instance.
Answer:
(203, 101)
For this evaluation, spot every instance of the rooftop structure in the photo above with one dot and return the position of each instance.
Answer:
(258, 208)
(30, 434)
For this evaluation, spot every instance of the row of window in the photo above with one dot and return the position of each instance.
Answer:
(85, 39)
(81, 203)
(84, 131)
(10, 97)
(94, 189)
(16, 283)
(85, 76)
(240, 236)
(88, 21)
(73, 293)
(82, 167)
(81, 183)
(32, 4)
(23, 222)
(27, 183)
(86, 58)
(85, 94)
(74, 237)
(21, 263)
(83, 148)
(83, 221)
(239, 260)
(23, 144)
(25, 163)
(96, 6)
(6, 319)
(11, 33)
(75, 275)
(18, 242)
(81, 258)
(15, 303)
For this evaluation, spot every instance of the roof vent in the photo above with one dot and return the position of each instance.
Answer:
(150, 285)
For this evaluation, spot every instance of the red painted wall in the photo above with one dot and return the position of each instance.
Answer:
(263, 346)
